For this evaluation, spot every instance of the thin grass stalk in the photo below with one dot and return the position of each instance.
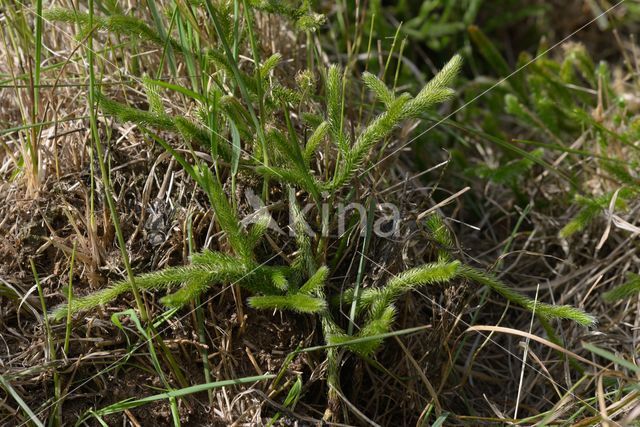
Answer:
(157, 19)
(28, 150)
(149, 334)
(403, 44)
(384, 73)
(200, 326)
(21, 403)
(36, 93)
(256, 61)
(362, 262)
(167, 46)
(187, 51)
(105, 173)
(57, 418)
(366, 66)
(67, 334)
(236, 30)
(239, 80)
(38, 58)
(186, 391)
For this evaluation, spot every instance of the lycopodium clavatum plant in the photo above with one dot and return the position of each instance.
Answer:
(572, 109)
(283, 137)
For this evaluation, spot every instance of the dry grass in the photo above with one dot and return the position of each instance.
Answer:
(444, 368)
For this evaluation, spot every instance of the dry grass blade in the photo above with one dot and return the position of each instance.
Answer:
(136, 139)
(524, 334)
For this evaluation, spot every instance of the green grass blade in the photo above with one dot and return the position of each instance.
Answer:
(612, 357)
(13, 393)
(134, 403)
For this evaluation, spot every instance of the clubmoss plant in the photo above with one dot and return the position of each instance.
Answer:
(625, 291)
(271, 148)
(572, 107)
(297, 286)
